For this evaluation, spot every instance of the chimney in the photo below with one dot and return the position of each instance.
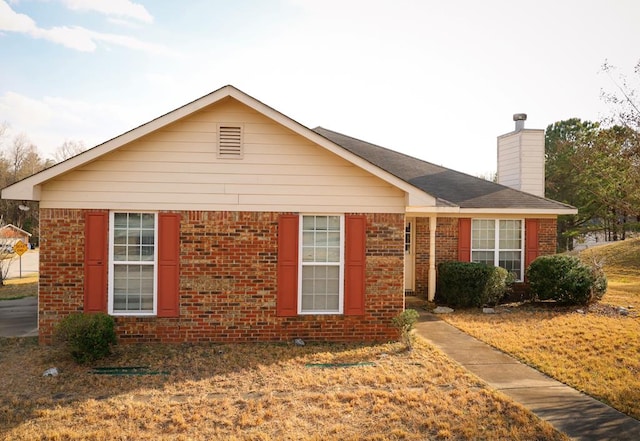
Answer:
(521, 158)
(519, 118)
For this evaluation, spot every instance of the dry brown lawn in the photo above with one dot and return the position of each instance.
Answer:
(596, 350)
(254, 392)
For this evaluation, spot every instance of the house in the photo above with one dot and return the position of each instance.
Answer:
(10, 235)
(225, 220)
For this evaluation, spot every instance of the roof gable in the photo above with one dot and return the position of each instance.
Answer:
(30, 188)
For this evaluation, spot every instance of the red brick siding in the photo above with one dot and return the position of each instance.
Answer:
(227, 282)
(547, 236)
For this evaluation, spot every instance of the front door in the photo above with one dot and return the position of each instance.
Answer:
(409, 256)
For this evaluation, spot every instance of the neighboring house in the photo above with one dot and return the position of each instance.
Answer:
(10, 235)
(225, 220)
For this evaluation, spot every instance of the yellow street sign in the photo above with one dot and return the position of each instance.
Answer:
(20, 248)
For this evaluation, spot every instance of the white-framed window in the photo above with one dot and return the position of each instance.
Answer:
(499, 242)
(321, 289)
(133, 255)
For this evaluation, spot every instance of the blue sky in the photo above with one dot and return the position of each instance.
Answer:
(437, 80)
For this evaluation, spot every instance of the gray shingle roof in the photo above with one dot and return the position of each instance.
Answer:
(451, 188)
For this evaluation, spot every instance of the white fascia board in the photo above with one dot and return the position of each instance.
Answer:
(522, 211)
(462, 212)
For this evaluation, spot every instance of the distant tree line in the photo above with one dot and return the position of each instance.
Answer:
(19, 159)
(595, 166)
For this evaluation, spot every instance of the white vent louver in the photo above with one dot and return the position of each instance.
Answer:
(230, 141)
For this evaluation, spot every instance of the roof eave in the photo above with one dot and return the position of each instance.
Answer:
(427, 210)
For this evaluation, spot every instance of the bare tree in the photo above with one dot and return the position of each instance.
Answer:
(68, 149)
(20, 153)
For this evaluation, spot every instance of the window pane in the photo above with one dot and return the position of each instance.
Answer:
(320, 288)
(486, 257)
(483, 234)
(148, 220)
(120, 220)
(134, 241)
(308, 239)
(510, 234)
(134, 220)
(321, 223)
(308, 223)
(147, 237)
(321, 243)
(119, 253)
(511, 261)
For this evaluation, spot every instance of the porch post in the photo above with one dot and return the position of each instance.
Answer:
(431, 293)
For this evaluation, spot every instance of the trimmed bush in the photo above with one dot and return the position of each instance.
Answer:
(87, 336)
(565, 279)
(469, 284)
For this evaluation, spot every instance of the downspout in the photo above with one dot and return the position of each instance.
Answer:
(431, 293)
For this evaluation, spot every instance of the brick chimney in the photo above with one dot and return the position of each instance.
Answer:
(521, 158)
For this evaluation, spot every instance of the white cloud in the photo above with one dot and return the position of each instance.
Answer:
(72, 37)
(118, 8)
(75, 37)
(49, 121)
(13, 21)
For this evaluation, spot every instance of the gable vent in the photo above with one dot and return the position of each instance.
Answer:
(230, 141)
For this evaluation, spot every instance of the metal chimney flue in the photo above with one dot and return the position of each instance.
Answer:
(519, 118)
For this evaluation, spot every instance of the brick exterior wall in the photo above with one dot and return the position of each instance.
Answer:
(548, 236)
(227, 282)
(447, 246)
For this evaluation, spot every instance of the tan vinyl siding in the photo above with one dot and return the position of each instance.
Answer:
(532, 167)
(521, 161)
(177, 168)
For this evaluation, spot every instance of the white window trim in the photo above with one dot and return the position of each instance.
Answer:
(111, 267)
(496, 247)
(341, 266)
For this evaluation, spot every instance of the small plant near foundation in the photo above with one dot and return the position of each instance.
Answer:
(87, 336)
(404, 323)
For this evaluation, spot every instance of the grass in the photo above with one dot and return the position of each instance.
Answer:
(255, 392)
(19, 288)
(594, 349)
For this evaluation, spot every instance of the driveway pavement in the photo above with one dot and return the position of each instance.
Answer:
(19, 318)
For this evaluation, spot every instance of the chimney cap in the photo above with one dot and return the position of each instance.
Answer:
(519, 116)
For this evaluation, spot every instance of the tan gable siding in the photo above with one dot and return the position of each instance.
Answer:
(177, 168)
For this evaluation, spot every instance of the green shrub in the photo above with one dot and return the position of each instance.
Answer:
(566, 279)
(469, 284)
(404, 323)
(87, 336)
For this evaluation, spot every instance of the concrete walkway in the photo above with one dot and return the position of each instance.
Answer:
(576, 414)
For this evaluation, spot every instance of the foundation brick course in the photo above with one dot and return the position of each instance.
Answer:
(228, 279)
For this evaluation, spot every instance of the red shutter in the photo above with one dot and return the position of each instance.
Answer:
(355, 264)
(96, 234)
(531, 242)
(287, 294)
(168, 265)
(464, 240)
